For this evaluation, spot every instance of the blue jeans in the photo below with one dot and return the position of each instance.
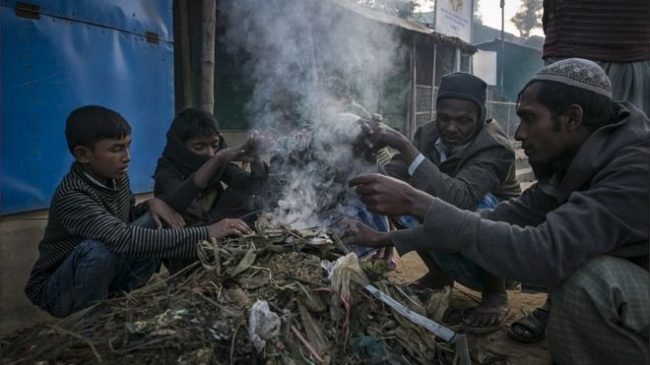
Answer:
(91, 273)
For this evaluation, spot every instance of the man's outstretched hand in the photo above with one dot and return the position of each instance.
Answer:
(389, 196)
(355, 232)
(375, 135)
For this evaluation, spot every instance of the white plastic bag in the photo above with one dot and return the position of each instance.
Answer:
(347, 269)
(263, 324)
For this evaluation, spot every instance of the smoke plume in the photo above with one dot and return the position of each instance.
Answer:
(305, 59)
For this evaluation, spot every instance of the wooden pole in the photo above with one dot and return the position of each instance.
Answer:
(184, 46)
(433, 81)
(208, 30)
(407, 122)
(501, 56)
(414, 93)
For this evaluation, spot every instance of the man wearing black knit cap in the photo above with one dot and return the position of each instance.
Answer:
(466, 160)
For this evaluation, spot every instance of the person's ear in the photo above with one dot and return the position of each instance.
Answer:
(573, 117)
(82, 154)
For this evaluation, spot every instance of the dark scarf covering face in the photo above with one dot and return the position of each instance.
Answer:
(178, 157)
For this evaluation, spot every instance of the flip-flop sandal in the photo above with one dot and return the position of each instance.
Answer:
(501, 312)
(453, 316)
(531, 328)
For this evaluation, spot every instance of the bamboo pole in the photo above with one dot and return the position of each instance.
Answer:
(186, 65)
(414, 92)
(407, 121)
(433, 81)
(208, 29)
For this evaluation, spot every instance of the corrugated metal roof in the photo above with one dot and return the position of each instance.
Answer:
(384, 18)
(497, 41)
(408, 25)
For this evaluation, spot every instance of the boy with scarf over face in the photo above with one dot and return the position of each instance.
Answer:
(194, 164)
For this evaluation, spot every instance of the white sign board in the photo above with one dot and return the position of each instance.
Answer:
(454, 18)
(484, 66)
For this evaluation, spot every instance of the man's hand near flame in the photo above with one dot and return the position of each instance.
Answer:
(355, 232)
(376, 135)
(389, 196)
(383, 195)
(366, 142)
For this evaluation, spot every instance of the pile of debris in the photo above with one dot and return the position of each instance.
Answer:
(278, 296)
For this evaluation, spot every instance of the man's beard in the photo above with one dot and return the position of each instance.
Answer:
(543, 171)
(558, 166)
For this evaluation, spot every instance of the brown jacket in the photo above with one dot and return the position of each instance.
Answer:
(486, 165)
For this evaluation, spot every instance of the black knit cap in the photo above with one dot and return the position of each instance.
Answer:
(465, 86)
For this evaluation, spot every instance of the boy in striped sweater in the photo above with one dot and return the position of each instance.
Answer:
(95, 243)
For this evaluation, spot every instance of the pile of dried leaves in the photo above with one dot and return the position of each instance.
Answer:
(263, 298)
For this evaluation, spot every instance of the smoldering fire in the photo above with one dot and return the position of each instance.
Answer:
(291, 48)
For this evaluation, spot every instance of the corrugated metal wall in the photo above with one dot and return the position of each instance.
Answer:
(58, 55)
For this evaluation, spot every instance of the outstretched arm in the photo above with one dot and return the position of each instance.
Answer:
(389, 196)
(248, 151)
(179, 192)
(611, 214)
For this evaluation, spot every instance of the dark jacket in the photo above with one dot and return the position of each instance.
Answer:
(181, 193)
(486, 165)
(600, 207)
(174, 180)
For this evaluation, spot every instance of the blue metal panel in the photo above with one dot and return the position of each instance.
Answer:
(49, 66)
(134, 16)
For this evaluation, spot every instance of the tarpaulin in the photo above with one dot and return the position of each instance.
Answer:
(59, 55)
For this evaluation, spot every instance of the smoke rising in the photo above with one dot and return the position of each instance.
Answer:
(304, 59)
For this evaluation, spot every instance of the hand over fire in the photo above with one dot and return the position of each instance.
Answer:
(376, 135)
(255, 145)
(389, 196)
(228, 227)
(355, 232)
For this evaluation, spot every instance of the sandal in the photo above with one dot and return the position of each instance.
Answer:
(531, 328)
(469, 317)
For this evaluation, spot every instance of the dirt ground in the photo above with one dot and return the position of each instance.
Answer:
(496, 347)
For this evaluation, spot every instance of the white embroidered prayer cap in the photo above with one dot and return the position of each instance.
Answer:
(577, 72)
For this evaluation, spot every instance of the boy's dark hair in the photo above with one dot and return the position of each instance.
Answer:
(195, 123)
(89, 124)
(598, 110)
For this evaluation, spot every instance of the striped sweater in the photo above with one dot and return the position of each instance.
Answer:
(81, 209)
(602, 30)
